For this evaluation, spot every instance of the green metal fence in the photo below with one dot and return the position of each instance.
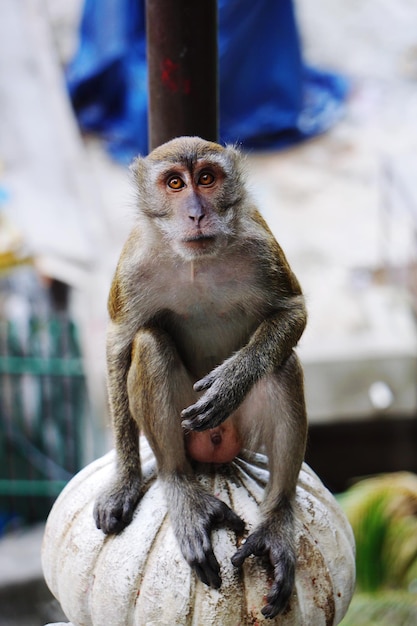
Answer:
(43, 410)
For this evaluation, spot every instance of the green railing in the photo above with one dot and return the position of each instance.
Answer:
(43, 413)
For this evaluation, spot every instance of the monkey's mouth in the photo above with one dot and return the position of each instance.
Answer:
(199, 241)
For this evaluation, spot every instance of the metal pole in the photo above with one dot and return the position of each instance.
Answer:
(182, 69)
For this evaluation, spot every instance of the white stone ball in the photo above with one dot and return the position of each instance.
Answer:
(140, 578)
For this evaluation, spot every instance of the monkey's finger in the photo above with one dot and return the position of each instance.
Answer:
(205, 416)
(187, 417)
(199, 416)
(192, 411)
(203, 384)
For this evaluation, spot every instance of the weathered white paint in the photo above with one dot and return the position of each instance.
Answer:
(139, 578)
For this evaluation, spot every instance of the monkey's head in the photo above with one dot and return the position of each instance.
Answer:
(191, 191)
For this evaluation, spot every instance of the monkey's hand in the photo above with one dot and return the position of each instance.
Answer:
(269, 540)
(114, 508)
(225, 387)
(194, 514)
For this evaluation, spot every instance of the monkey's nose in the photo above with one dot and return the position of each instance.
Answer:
(196, 218)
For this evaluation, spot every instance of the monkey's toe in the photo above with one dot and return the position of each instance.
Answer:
(208, 570)
(264, 542)
(114, 511)
(278, 598)
(112, 524)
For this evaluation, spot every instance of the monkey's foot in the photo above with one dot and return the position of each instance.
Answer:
(194, 516)
(269, 540)
(114, 508)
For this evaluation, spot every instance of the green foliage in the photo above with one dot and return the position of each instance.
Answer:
(392, 608)
(383, 513)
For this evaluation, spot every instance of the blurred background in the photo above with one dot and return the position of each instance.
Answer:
(331, 138)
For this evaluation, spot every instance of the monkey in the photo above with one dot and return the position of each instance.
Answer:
(204, 316)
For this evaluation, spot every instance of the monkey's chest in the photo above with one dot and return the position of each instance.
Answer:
(224, 302)
(205, 339)
(208, 322)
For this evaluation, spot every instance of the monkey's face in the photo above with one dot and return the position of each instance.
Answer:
(188, 190)
(194, 217)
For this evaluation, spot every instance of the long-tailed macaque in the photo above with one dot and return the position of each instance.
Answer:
(204, 315)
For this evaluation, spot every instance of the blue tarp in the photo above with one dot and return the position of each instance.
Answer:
(269, 98)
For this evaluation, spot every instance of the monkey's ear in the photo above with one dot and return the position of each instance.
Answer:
(138, 169)
(235, 155)
(233, 151)
(237, 161)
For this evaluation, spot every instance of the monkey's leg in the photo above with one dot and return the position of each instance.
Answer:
(275, 408)
(159, 387)
(114, 508)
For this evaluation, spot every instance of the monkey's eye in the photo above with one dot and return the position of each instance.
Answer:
(175, 182)
(206, 179)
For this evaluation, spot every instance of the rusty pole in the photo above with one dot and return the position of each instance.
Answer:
(182, 69)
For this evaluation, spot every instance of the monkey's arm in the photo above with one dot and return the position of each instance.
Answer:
(227, 385)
